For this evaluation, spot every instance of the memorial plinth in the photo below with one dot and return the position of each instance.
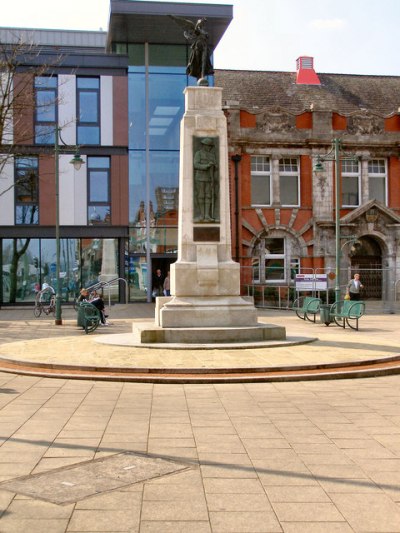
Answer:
(205, 281)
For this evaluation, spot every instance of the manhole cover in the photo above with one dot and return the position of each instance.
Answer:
(73, 483)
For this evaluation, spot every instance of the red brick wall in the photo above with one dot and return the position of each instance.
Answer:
(304, 121)
(24, 100)
(306, 181)
(392, 123)
(119, 190)
(339, 122)
(247, 120)
(245, 192)
(120, 105)
(394, 180)
(47, 191)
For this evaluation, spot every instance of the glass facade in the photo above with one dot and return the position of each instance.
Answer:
(88, 110)
(27, 190)
(28, 263)
(156, 106)
(46, 94)
(99, 190)
(156, 82)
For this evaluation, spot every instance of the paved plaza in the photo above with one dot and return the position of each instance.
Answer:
(92, 456)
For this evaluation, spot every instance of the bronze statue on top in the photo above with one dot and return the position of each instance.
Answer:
(199, 65)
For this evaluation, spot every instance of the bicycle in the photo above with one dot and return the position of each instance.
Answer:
(45, 302)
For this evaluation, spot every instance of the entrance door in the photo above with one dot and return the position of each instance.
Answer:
(367, 261)
(163, 264)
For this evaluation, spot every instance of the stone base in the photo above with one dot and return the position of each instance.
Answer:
(208, 336)
(205, 312)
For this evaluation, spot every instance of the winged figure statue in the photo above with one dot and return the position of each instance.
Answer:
(199, 64)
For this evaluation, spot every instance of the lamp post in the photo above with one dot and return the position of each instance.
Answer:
(77, 162)
(337, 155)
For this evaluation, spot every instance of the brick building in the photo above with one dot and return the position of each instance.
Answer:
(283, 212)
(118, 95)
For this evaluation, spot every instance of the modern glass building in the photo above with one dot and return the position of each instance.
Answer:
(158, 54)
(118, 95)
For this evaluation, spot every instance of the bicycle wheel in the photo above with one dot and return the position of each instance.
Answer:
(37, 310)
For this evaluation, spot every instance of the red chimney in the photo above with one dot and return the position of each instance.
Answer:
(305, 71)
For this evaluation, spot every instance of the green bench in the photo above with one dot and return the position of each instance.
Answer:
(306, 306)
(88, 317)
(347, 312)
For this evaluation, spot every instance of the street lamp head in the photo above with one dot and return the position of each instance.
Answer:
(77, 161)
(319, 167)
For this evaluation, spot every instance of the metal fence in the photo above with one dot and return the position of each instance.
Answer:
(381, 288)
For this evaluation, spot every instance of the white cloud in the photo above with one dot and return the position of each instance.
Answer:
(328, 24)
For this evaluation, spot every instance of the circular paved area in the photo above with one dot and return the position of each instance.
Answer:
(65, 349)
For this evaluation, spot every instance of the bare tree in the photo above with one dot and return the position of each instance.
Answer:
(20, 63)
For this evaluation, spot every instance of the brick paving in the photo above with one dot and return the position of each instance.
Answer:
(308, 456)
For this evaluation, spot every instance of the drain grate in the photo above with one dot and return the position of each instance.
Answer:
(76, 482)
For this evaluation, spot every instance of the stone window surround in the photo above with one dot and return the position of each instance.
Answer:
(275, 174)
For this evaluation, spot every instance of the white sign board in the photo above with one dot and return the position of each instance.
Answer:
(311, 282)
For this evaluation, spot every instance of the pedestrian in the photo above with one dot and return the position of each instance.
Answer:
(158, 283)
(354, 287)
(166, 285)
(83, 295)
(98, 302)
(46, 293)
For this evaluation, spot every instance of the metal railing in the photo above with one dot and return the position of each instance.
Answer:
(280, 292)
(101, 285)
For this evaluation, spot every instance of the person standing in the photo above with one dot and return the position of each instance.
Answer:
(167, 287)
(354, 287)
(158, 283)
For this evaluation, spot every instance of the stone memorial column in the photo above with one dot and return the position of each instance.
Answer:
(205, 281)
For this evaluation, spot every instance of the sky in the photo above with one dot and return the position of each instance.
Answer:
(343, 36)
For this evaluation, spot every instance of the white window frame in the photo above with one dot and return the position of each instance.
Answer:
(379, 175)
(290, 173)
(348, 174)
(259, 265)
(262, 162)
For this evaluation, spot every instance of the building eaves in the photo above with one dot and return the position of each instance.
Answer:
(141, 21)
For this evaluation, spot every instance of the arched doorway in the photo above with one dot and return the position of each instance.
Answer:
(366, 258)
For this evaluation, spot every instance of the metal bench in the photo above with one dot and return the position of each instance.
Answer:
(306, 306)
(88, 317)
(347, 311)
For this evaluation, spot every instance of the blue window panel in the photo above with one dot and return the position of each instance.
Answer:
(26, 214)
(88, 135)
(88, 83)
(45, 134)
(45, 82)
(137, 112)
(45, 106)
(164, 172)
(166, 107)
(88, 107)
(98, 162)
(137, 183)
(26, 163)
(98, 186)
(99, 214)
